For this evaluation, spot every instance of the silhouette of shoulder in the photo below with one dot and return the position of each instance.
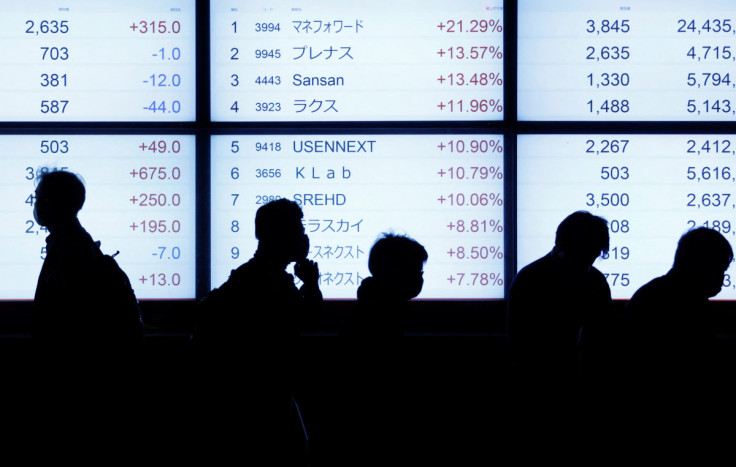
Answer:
(375, 316)
(544, 274)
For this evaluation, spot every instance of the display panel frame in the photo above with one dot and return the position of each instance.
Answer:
(510, 126)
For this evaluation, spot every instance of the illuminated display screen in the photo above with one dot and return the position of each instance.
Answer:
(332, 60)
(140, 202)
(650, 188)
(376, 117)
(445, 191)
(659, 60)
(87, 60)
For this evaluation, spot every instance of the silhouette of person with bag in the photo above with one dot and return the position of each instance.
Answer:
(246, 345)
(85, 350)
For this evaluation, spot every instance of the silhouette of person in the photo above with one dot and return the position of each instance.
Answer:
(559, 304)
(59, 325)
(381, 378)
(396, 263)
(247, 345)
(69, 308)
(78, 357)
(670, 323)
(671, 376)
(558, 311)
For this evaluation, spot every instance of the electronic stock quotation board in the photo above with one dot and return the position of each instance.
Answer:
(654, 63)
(125, 78)
(376, 117)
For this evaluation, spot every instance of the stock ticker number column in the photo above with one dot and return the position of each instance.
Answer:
(140, 203)
(445, 191)
(94, 61)
(357, 62)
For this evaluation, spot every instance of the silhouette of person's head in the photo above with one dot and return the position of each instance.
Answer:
(703, 255)
(280, 231)
(59, 197)
(581, 238)
(398, 261)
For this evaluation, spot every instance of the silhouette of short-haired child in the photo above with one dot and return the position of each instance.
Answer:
(379, 385)
(558, 303)
(247, 344)
(82, 360)
(669, 320)
(396, 264)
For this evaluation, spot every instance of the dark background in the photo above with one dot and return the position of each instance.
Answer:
(458, 346)
(457, 353)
